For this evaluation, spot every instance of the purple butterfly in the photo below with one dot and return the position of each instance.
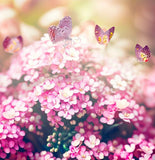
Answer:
(103, 36)
(142, 54)
(13, 45)
(62, 31)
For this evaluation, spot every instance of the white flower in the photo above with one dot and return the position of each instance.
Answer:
(118, 83)
(72, 54)
(65, 93)
(78, 139)
(10, 114)
(38, 90)
(48, 85)
(121, 104)
(130, 148)
(4, 82)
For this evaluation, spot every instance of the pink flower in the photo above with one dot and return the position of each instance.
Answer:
(136, 139)
(73, 150)
(145, 157)
(59, 59)
(108, 117)
(83, 154)
(149, 90)
(78, 139)
(81, 87)
(147, 147)
(47, 85)
(92, 142)
(74, 93)
(43, 155)
(126, 116)
(100, 151)
(65, 94)
(54, 119)
(66, 111)
(106, 120)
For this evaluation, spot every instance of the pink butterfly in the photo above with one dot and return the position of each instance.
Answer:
(142, 54)
(62, 31)
(103, 37)
(13, 45)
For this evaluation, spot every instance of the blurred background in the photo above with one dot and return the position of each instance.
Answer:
(134, 20)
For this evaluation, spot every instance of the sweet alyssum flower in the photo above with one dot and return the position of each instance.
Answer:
(62, 103)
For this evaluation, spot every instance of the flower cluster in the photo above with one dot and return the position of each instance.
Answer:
(68, 100)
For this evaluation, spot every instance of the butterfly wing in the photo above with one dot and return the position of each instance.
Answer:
(145, 53)
(146, 50)
(52, 32)
(99, 33)
(55, 33)
(6, 42)
(62, 31)
(103, 37)
(20, 39)
(66, 27)
(138, 49)
(110, 32)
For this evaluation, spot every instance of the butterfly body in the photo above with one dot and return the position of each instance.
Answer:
(142, 54)
(103, 36)
(62, 31)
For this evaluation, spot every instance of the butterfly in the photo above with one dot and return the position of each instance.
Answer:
(13, 45)
(62, 31)
(103, 37)
(142, 54)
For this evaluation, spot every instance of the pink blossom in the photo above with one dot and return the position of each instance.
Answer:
(147, 147)
(65, 94)
(146, 156)
(78, 139)
(126, 116)
(108, 117)
(92, 142)
(100, 151)
(43, 155)
(136, 139)
(66, 111)
(73, 150)
(83, 154)
(80, 96)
